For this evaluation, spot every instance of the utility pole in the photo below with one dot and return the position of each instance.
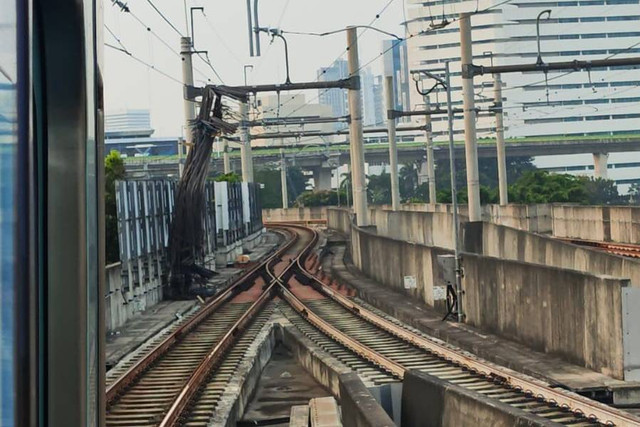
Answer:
(245, 148)
(283, 179)
(225, 156)
(500, 147)
(393, 148)
(187, 80)
(454, 198)
(470, 137)
(431, 169)
(355, 132)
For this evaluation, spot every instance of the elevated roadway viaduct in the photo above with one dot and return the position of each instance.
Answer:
(315, 157)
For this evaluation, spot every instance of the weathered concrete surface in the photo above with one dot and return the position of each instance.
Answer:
(283, 383)
(323, 367)
(430, 402)
(389, 261)
(491, 347)
(240, 389)
(574, 315)
(295, 214)
(603, 223)
(509, 243)
(359, 407)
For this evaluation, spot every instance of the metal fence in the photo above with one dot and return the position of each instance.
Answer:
(145, 210)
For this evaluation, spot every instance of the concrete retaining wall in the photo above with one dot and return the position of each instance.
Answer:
(574, 315)
(121, 306)
(339, 219)
(359, 407)
(509, 243)
(389, 261)
(603, 223)
(431, 229)
(430, 402)
(295, 214)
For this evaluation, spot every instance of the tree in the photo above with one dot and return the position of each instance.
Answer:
(228, 177)
(379, 189)
(603, 192)
(113, 171)
(271, 193)
(408, 180)
(318, 198)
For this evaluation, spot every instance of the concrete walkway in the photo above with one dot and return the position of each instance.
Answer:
(490, 347)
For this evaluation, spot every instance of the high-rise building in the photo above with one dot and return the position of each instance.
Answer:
(335, 98)
(128, 123)
(396, 64)
(380, 114)
(372, 100)
(604, 100)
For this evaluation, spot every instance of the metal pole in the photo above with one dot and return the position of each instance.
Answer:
(283, 179)
(225, 157)
(355, 133)
(393, 148)
(502, 158)
(470, 137)
(250, 25)
(245, 147)
(187, 80)
(454, 198)
(431, 169)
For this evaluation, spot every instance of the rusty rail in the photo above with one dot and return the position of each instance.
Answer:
(574, 402)
(130, 376)
(216, 355)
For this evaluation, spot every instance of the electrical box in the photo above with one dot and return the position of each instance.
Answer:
(447, 276)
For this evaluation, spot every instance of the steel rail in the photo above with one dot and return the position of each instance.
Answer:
(116, 388)
(339, 336)
(217, 353)
(213, 357)
(573, 402)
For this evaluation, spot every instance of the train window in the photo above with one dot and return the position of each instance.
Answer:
(8, 159)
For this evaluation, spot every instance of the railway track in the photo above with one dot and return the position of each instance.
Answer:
(182, 380)
(622, 249)
(159, 387)
(395, 349)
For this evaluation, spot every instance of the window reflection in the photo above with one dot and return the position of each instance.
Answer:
(8, 145)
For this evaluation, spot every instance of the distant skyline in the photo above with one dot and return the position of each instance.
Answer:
(223, 33)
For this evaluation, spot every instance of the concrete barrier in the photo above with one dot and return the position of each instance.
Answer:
(339, 219)
(430, 402)
(603, 223)
(359, 407)
(121, 306)
(408, 267)
(295, 214)
(576, 316)
(508, 243)
(431, 229)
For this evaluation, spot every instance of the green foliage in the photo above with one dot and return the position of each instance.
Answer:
(228, 177)
(319, 198)
(113, 171)
(379, 189)
(544, 187)
(271, 193)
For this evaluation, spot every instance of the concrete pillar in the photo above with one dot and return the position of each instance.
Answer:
(322, 179)
(225, 156)
(187, 80)
(500, 147)
(283, 180)
(245, 148)
(600, 165)
(359, 182)
(470, 137)
(393, 148)
(430, 166)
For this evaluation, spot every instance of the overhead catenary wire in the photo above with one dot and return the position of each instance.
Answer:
(150, 66)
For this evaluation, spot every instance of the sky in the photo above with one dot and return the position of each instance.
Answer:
(223, 32)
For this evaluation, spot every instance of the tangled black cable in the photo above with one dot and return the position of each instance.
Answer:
(186, 234)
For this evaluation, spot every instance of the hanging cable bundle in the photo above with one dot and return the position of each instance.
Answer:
(186, 235)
